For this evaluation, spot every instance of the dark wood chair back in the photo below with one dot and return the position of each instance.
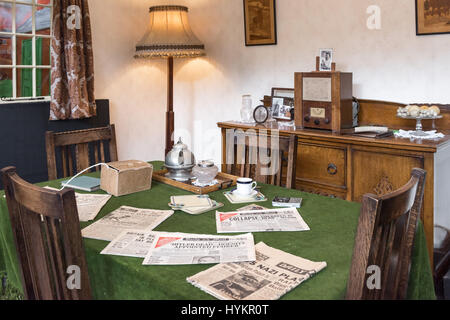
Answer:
(48, 240)
(79, 150)
(384, 242)
(265, 159)
(441, 263)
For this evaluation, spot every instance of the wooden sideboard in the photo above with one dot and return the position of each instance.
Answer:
(347, 166)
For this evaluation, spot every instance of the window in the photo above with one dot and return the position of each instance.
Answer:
(25, 38)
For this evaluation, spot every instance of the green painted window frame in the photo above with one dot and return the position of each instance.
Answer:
(30, 72)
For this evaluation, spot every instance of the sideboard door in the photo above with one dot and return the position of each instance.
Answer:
(380, 171)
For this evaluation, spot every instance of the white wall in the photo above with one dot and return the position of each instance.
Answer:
(390, 64)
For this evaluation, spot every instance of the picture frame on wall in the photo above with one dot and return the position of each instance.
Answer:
(432, 17)
(260, 22)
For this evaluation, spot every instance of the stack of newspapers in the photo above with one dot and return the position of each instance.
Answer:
(242, 269)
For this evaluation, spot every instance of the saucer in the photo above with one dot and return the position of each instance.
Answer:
(240, 195)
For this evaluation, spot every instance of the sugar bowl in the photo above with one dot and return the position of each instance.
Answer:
(205, 172)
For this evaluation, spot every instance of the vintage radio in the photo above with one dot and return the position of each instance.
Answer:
(324, 100)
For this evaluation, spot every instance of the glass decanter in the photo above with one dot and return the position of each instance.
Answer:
(247, 110)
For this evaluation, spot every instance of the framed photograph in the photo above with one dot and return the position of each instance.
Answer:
(283, 92)
(432, 17)
(326, 59)
(260, 22)
(283, 104)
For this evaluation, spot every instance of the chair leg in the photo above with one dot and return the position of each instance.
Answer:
(4, 279)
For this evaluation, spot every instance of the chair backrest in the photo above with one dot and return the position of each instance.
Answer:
(441, 258)
(48, 240)
(78, 150)
(266, 159)
(384, 241)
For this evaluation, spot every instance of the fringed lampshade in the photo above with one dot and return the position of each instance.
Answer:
(169, 35)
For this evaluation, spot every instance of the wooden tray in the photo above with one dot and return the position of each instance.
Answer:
(225, 181)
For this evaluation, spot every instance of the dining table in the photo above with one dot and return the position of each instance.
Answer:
(333, 224)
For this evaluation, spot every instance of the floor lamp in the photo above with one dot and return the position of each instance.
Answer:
(169, 36)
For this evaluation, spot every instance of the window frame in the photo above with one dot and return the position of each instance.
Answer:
(13, 34)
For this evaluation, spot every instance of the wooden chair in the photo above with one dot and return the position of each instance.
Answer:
(262, 158)
(385, 239)
(48, 240)
(74, 150)
(442, 264)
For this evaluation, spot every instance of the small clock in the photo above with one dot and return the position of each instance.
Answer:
(261, 114)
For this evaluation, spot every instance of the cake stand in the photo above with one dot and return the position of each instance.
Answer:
(419, 127)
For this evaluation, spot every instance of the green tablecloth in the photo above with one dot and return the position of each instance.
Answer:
(333, 224)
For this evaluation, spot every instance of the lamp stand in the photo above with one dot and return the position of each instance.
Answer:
(170, 115)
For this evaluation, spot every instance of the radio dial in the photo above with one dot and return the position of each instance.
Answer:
(317, 122)
(307, 119)
(327, 121)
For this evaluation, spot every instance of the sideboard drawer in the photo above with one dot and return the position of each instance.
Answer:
(324, 164)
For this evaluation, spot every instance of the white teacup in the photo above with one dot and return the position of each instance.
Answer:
(246, 186)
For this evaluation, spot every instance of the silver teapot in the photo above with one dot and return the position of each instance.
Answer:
(179, 162)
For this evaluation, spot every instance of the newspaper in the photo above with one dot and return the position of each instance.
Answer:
(183, 249)
(282, 219)
(124, 218)
(272, 275)
(131, 243)
(88, 205)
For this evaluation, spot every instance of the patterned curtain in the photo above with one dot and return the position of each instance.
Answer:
(72, 89)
